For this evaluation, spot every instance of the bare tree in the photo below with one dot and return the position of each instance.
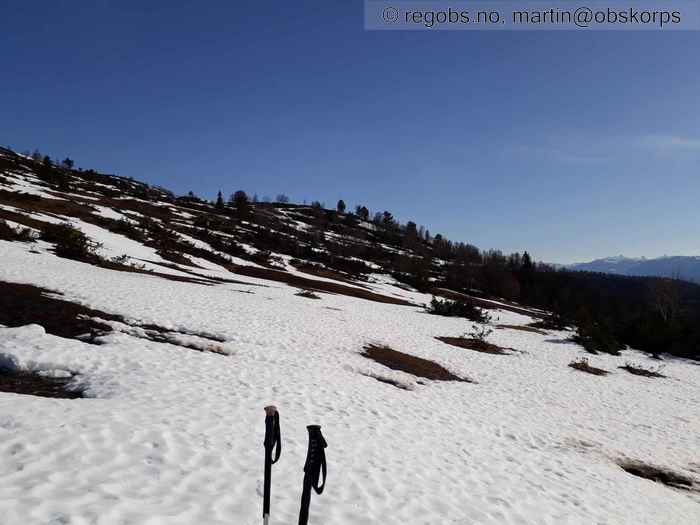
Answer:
(665, 298)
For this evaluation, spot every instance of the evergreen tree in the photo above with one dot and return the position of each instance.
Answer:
(341, 206)
(388, 219)
(362, 212)
(219, 201)
(411, 237)
(241, 203)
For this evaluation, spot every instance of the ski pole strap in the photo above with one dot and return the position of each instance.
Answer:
(316, 459)
(273, 434)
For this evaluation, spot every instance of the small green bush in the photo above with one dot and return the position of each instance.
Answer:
(457, 309)
(128, 229)
(594, 338)
(70, 241)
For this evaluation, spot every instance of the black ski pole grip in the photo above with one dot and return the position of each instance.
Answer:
(314, 467)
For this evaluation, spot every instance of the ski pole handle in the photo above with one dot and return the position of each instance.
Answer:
(273, 440)
(314, 467)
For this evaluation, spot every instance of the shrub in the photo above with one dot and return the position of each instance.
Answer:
(553, 321)
(8, 233)
(128, 229)
(458, 309)
(262, 257)
(583, 365)
(308, 294)
(639, 370)
(480, 331)
(70, 241)
(596, 338)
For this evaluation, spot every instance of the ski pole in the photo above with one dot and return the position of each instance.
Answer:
(273, 439)
(315, 464)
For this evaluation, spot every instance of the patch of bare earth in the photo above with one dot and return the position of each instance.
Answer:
(641, 371)
(521, 328)
(326, 273)
(312, 284)
(23, 304)
(659, 475)
(483, 303)
(584, 366)
(416, 366)
(474, 344)
(28, 383)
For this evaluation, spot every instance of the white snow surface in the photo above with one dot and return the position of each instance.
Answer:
(174, 436)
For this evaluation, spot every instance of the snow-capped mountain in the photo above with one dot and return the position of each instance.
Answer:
(682, 267)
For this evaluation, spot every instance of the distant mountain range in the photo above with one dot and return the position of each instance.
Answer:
(683, 267)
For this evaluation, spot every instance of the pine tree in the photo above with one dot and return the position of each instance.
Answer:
(362, 212)
(241, 203)
(341, 206)
(219, 201)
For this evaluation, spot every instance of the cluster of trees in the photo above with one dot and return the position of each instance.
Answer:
(656, 315)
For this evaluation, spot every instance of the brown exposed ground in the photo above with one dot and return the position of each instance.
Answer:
(474, 344)
(660, 475)
(18, 382)
(312, 284)
(23, 304)
(641, 371)
(583, 366)
(410, 364)
(521, 328)
(483, 303)
(327, 273)
(307, 293)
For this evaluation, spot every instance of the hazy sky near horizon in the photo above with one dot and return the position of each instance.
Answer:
(572, 145)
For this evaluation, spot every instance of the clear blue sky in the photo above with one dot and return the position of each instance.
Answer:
(572, 145)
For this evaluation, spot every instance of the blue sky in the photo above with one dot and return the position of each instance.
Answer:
(571, 145)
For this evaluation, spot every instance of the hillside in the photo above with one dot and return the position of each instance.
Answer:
(170, 322)
(682, 267)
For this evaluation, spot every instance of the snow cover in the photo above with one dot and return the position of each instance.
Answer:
(23, 184)
(174, 436)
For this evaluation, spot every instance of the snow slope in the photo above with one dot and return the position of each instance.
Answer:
(174, 436)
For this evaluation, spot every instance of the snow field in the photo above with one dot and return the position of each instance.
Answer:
(174, 436)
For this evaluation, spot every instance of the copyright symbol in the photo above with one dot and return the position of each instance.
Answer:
(390, 14)
(583, 16)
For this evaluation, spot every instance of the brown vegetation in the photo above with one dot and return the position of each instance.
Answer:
(23, 304)
(410, 364)
(28, 383)
(583, 365)
(317, 286)
(483, 303)
(521, 328)
(639, 370)
(660, 475)
(474, 344)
